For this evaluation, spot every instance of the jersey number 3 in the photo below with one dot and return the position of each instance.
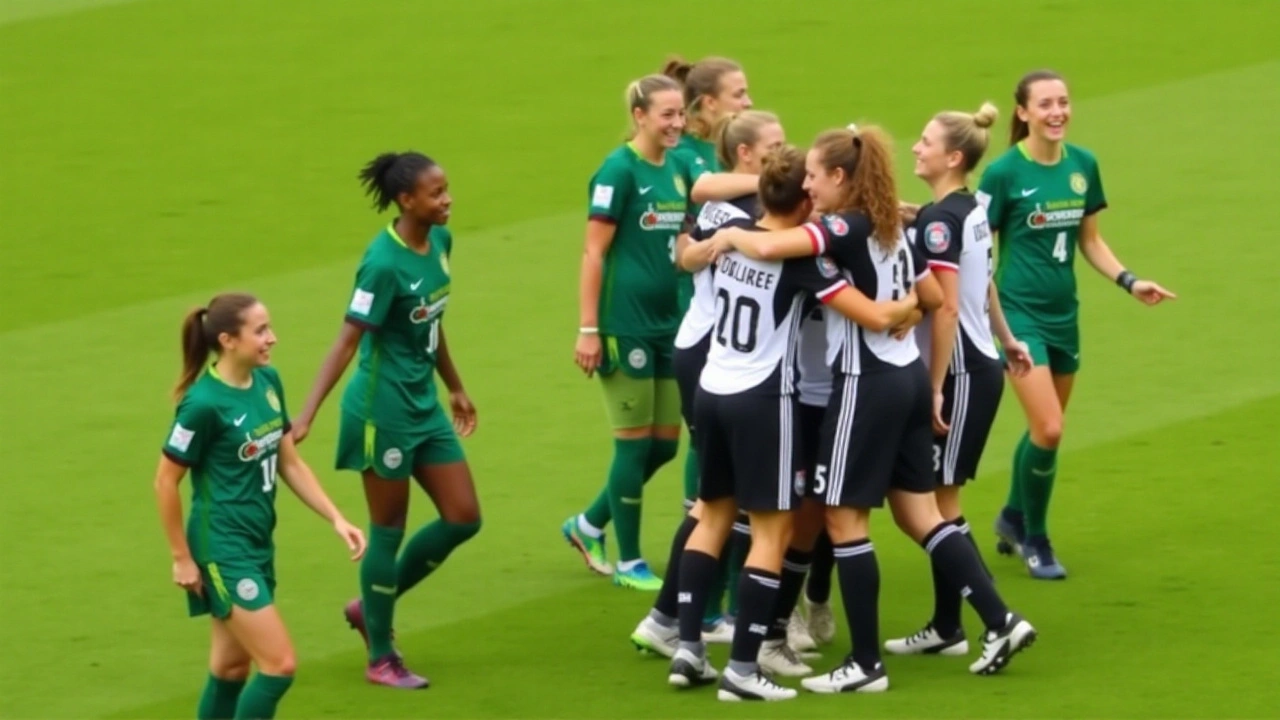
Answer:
(745, 312)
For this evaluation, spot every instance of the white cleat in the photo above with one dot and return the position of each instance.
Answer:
(928, 642)
(652, 637)
(758, 686)
(849, 677)
(999, 646)
(822, 623)
(777, 658)
(798, 633)
(721, 633)
(689, 670)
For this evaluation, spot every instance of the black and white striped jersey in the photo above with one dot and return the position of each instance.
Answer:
(814, 386)
(953, 235)
(701, 315)
(759, 306)
(880, 275)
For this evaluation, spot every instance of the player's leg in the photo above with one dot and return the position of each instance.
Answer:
(658, 632)
(820, 621)
(262, 634)
(817, 625)
(229, 665)
(1037, 465)
(634, 572)
(1010, 524)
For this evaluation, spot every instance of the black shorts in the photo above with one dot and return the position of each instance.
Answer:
(809, 435)
(969, 404)
(687, 364)
(877, 435)
(746, 450)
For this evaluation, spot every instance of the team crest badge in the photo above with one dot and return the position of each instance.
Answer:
(392, 458)
(1079, 184)
(679, 183)
(798, 483)
(247, 589)
(827, 267)
(637, 358)
(273, 400)
(937, 237)
(836, 225)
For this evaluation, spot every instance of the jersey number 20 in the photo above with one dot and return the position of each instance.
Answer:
(745, 312)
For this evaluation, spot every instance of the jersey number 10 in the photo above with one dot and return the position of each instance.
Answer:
(746, 312)
(269, 466)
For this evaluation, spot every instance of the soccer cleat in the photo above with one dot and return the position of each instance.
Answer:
(1037, 553)
(999, 646)
(777, 657)
(689, 670)
(798, 636)
(354, 613)
(391, 672)
(849, 677)
(1009, 537)
(928, 642)
(718, 631)
(653, 638)
(592, 549)
(757, 686)
(822, 623)
(638, 577)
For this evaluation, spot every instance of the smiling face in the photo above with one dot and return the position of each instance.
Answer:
(825, 187)
(251, 344)
(932, 159)
(663, 121)
(429, 201)
(751, 157)
(1047, 111)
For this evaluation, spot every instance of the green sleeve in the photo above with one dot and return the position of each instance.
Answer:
(1095, 199)
(609, 191)
(194, 425)
(991, 193)
(375, 289)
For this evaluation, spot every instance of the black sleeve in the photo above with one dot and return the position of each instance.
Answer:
(939, 237)
(919, 262)
(843, 237)
(818, 277)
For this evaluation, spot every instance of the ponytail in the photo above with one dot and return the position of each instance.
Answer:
(201, 330)
(866, 158)
(195, 350)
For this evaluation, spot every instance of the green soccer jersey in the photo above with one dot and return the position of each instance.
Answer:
(648, 204)
(399, 299)
(1037, 210)
(229, 437)
(699, 155)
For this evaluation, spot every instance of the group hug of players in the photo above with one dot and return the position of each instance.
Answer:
(838, 349)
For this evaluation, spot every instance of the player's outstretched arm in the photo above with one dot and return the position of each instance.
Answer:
(169, 475)
(870, 314)
(1100, 256)
(722, 186)
(302, 481)
(335, 363)
(694, 256)
(773, 245)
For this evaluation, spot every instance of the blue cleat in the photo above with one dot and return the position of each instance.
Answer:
(1040, 560)
(1009, 537)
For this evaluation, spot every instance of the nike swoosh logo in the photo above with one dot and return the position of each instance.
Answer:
(1029, 193)
(645, 190)
(414, 286)
(240, 419)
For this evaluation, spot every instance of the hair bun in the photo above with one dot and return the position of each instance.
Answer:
(986, 115)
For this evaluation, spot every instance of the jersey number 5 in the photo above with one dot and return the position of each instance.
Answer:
(269, 473)
(745, 312)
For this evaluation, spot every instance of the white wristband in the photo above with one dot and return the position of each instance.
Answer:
(588, 330)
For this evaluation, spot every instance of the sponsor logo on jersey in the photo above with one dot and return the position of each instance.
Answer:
(680, 188)
(663, 216)
(422, 312)
(937, 237)
(253, 447)
(1079, 184)
(1045, 219)
(247, 589)
(637, 358)
(827, 267)
(836, 225)
(392, 458)
(272, 399)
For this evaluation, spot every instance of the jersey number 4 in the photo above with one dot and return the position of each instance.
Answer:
(269, 466)
(745, 321)
(1060, 247)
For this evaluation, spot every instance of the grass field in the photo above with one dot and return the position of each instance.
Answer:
(155, 152)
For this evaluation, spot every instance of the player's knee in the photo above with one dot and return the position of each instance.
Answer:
(231, 670)
(461, 532)
(283, 663)
(663, 451)
(1047, 432)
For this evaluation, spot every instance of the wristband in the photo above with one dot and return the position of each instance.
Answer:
(588, 331)
(1126, 280)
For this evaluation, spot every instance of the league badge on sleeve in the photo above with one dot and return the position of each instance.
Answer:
(827, 267)
(836, 225)
(937, 237)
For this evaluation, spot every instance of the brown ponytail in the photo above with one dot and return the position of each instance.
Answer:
(201, 329)
(866, 157)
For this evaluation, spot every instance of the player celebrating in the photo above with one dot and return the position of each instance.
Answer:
(956, 340)
(1043, 197)
(877, 435)
(393, 426)
(744, 139)
(231, 430)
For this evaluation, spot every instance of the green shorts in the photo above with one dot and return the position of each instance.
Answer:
(395, 454)
(1055, 346)
(246, 585)
(640, 358)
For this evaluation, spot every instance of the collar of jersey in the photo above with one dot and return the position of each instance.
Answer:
(631, 145)
(213, 370)
(1022, 148)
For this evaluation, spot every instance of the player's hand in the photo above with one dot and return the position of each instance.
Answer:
(900, 331)
(187, 576)
(908, 211)
(1017, 357)
(1150, 293)
(588, 352)
(940, 427)
(352, 536)
(300, 428)
(722, 241)
(464, 413)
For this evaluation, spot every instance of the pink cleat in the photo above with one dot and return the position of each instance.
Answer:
(354, 613)
(390, 671)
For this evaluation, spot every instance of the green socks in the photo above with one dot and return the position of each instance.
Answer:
(261, 696)
(1037, 469)
(657, 452)
(378, 578)
(218, 702)
(626, 487)
(1014, 502)
(427, 549)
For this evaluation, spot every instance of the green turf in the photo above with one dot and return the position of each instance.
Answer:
(155, 152)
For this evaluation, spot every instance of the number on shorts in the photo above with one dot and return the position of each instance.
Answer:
(269, 473)
(820, 480)
(901, 275)
(1060, 247)
(937, 458)
(746, 312)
